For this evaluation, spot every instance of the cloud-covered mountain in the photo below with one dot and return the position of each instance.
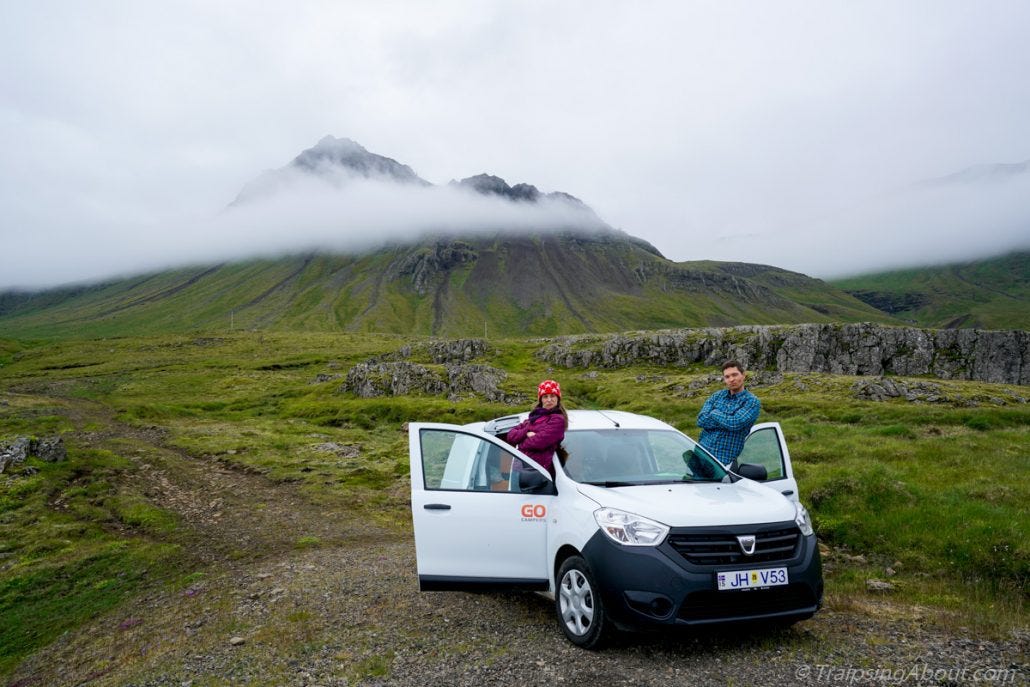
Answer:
(335, 161)
(339, 162)
(338, 196)
(384, 250)
(343, 238)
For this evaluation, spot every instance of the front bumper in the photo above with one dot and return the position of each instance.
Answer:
(643, 586)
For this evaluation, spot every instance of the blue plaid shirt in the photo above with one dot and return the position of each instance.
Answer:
(725, 421)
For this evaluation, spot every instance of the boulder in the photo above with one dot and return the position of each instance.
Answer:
(481, 380)
(874, 585)
(373, 379)
(48, 449)
(14, 452)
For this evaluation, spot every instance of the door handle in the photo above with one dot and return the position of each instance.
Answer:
(437, 506)
(788, 492)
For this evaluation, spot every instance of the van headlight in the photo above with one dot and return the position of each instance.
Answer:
(630, 529)
(803, 519)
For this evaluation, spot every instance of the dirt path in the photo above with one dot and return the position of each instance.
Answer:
(232, 512)
(263, 610)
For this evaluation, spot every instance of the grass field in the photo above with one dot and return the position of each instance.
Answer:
(936, 492)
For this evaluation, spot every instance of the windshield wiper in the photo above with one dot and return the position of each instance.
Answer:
(609, 485)
(684, 480)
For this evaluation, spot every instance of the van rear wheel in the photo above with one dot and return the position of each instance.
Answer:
(579, 608)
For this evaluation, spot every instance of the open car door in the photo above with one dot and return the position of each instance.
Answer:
(480, 521)
(766, 446)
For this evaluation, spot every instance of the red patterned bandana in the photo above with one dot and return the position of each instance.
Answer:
(548, 386)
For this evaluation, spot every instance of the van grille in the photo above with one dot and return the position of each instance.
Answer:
(712, 548)
(714, 605)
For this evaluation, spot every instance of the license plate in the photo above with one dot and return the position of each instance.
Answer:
(751, 579)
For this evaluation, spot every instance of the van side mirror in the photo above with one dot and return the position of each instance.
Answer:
(753, 471)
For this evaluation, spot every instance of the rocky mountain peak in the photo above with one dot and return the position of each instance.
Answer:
(332, 153)
(488, 184)
(335, 160)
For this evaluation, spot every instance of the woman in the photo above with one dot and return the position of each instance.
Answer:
(541, 434)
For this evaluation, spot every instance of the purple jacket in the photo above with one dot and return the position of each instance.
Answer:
(548, 429)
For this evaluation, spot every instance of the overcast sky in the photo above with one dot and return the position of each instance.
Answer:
(786, 133)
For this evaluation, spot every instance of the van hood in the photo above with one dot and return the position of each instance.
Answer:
(693, 504)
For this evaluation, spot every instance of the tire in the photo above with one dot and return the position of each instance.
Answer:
(578, 606)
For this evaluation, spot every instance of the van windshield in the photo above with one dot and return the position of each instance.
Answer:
(625, 457)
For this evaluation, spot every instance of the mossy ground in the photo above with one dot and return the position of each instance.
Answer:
(937, 492)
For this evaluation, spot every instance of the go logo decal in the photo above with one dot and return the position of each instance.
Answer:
(531, 511)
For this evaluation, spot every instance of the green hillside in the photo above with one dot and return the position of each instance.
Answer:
(556, 283)
(985, 294)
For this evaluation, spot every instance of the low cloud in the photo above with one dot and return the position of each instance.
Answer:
(305, 213)
(364, 213)
(923, 224)
(930, 223)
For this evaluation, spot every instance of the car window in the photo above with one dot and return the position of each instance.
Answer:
(464, 462)
(763, 448)
(636, 457)
(668, 451)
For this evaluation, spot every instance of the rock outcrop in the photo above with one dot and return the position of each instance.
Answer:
(850, 349)
(456, 350)
(488, 185)
(369, 380)
(16, 451)
(443, 256)
(481, 380)
(372, 379)
(440, 351)
(885, 388)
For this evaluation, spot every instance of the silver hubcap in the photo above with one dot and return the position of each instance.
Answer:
(577, 603)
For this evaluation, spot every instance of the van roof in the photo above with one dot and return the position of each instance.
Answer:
(607, 419)
(589, 420)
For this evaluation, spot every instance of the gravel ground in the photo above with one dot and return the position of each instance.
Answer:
(348, 611)
(344, 616)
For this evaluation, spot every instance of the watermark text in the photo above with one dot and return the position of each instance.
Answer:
(915, 674)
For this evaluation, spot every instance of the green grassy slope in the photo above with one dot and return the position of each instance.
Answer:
(504, 284)
(986, 294)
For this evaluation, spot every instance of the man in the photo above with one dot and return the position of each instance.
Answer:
(727, 415)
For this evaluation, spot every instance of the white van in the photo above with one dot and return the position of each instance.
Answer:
(638, 527)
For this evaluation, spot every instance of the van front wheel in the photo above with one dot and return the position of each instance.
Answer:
(579, 608)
